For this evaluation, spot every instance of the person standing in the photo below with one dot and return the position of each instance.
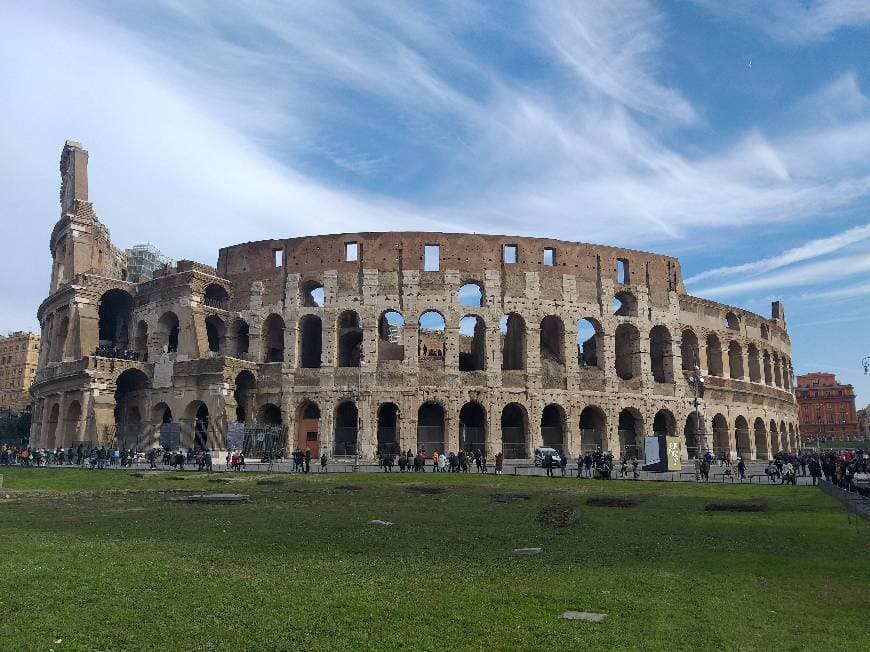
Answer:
(499, 460)
(548, 464)
(308, 460)
(741, 468)
(563, 464)
(323, 462)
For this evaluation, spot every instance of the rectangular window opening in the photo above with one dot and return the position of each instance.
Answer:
(622, 273)
(510, 254)
(431, 258)
(549, 257)
(278, 257)
(351, 251)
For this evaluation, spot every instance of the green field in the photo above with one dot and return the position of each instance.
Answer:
(106, 561)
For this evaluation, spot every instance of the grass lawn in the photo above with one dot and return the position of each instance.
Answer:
(105, 561)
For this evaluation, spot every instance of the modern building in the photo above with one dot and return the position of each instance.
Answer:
(827, 408)
(19, 354)
(576, 346)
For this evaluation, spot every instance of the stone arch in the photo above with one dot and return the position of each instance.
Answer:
(661, 354)
(216, 296)
(115, 313)
(721, 438)
(744, 439)
(783, 437)
(692, 436)
(388, 429)
(54, 438)
(552, 352)
(689, 350)
(472, 343)
(72, 424)
(308, 427)
(590, 343)
(735, 360)
(472, 427)
(273, 338)
(430, 427)
(244, 392)
(664, 423)
(216, 333)
(391, 341)
(240, 334)
(168, 328)
(350, 337)
(514, 432)
(311, 294)
(513, 342)
(269, 414)
(630, 431)
(774, 438)
(593, 429)
(627, 351)
(732, 322)
(471, 294)
(553, 429)
(754, 363)
(777, 370)
(140, 340)
(310, 342)
(714, 355)
(60, 334)
(792, 439)
(762, 450)
(198, 417)
(131, 396)
(346, 428)
(624, 304)
(768, 372)
(431, 335)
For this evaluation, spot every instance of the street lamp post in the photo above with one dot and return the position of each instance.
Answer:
(865, 362)
(697, 382)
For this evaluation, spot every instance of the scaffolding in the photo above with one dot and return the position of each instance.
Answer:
(143, 260)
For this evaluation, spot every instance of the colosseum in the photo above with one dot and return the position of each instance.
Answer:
(360, 343)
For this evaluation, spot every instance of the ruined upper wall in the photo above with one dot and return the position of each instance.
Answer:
(471, 255)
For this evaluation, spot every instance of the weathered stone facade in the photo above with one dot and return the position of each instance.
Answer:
(296, 331)
(19, 352)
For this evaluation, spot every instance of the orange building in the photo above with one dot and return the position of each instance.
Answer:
(827, 408)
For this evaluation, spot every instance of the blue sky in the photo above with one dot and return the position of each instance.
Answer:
(734, 135)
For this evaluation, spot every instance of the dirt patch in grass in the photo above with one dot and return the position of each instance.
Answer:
(735, 506)
(270, 481)
(558, 515)
(176, 477)
(221, 480)
(507, 497)
(425, 489)
(612, 501)
(349, 487)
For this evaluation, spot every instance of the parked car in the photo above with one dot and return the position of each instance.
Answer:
(541, 455)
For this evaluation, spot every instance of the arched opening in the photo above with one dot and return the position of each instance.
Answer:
(754, 364)
(513, 342)
(388, 429)
(216, 296)
(430, 428)
(514, 440)
(627, 352)
(215, 332)
(692, 436)
(765, 332)
(54, 438)
(783, 437)
(762, 450)
(472, 344)
(166, 433)
(731, 322)
(241, 335)
(735, 360)
(689, 351)
(593, 429)
(115, 318)
(472, 428)
(630, 429)
(553, 427)
(346, 428)
(431, 336)
(311, 293)
(661, 355)
(768, 372)
(270, 415)
(273, 339)
(140, 341)
(391, 343)
(792, 439)
(775, 446)
(624, 304)
(72, 425)
(350, 337)
(308, 428)
(59, 345)
(471, 294)
(589, 343)
(310, 342)
(131, 395)
(200, 428)
(246, 388)
(744, 440)
(552, 351)
(721, 439)
(664, 423)
(777, 371)
(167, 331)
(714, 355)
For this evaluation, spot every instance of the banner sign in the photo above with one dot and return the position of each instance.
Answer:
(674, 463)
(235, 435)
(651, 450)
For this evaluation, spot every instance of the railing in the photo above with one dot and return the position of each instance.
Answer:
(220, 304)
(118, 354)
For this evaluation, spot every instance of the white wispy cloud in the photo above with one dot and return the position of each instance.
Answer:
(838, 294)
